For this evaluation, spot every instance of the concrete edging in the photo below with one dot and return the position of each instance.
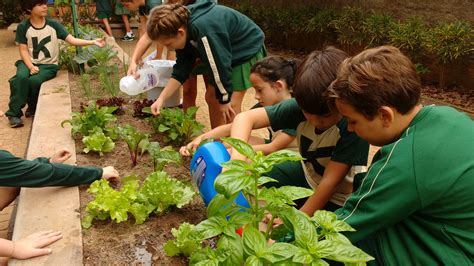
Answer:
(51, 208)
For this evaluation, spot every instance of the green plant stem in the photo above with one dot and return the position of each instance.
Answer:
(255, 190)
(269, 228)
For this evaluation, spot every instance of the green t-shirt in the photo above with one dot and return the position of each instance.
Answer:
(415, 205)
(43, 43)
(318, 148)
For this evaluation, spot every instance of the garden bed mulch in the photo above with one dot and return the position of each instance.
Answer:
(107, 242)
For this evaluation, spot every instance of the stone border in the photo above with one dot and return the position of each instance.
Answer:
(51, 208)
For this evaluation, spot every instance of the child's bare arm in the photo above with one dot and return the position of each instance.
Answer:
(279, 143)
(25, 56)
(142, 45)
(81, 42)
(218, 132)
(333, 175)
(243, 125)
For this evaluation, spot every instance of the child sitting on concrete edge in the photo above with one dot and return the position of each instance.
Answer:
(38, 39)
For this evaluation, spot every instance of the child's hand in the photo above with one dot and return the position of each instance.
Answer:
(132, 70)
(32, 245)
(34, 70)
(156, 107)
(275, 222)
(2, 114)
(110, 174)
(227, 112)
(100, 42)
(192, 146)
(60, 156)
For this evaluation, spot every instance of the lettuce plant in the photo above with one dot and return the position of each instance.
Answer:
(98, 142)
(311, 240)
(158, 193)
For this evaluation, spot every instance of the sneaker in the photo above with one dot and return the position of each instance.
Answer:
(15, 121)
(128, 38)
(29, 112)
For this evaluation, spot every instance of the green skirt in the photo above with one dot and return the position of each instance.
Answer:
(241, 73)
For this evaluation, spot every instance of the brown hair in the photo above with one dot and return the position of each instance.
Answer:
(313, 78)
(376, 77)
(165, 20)
(273, 68)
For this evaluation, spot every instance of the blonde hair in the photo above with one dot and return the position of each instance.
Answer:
(377, 77)
(165, 20)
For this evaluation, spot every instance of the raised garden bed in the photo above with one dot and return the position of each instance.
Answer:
(107, 242)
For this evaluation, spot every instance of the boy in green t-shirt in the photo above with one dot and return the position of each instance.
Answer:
(332, 154)
(415, 205)
(38, 39)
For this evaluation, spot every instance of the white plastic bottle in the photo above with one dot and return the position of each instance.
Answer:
(148, 80)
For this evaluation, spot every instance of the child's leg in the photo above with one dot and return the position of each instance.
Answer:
(19, 90)
(216, 117)
(7, 196)
(236, 100)
(46, 72)
(126, 23)
(189, 92)
(142, 29)
(107, 27)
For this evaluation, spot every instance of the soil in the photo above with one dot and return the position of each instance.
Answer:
(107, 242)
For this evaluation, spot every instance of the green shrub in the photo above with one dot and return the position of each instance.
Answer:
(376, 29)
(349, 25)
(410, 36)
(449, 42)
(11, 11)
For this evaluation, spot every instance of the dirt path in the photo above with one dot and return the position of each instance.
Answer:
(13, 140)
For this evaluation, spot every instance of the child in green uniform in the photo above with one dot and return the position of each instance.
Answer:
(272, 78)
(104, 11)
(415, 205)
(332, 154)
(16, 172)
(226, 41)
(38, 39)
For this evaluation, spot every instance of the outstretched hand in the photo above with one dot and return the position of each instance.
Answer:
(110, 174)
(100, 42)
(60, 156)
(156, 107)
(33, 245)
(190, 147)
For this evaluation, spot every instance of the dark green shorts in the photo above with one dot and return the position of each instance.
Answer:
(121, 10)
